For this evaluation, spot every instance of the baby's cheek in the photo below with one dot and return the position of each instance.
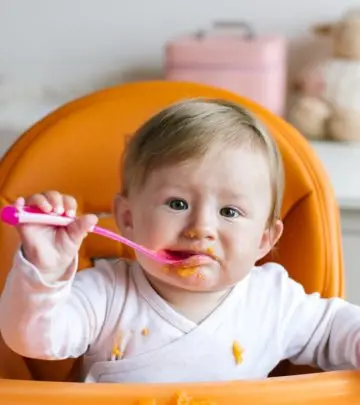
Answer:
(146, 237)
(150, 266)
(156, 236)
(237, 270)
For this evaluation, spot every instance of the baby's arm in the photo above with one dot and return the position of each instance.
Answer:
(316, 331)
(57, 319)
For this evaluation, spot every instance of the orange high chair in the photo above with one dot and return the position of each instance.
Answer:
(76, 150)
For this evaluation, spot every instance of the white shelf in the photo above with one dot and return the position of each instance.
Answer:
(342, 162)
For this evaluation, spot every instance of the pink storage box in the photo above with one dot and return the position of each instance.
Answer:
(254, 67)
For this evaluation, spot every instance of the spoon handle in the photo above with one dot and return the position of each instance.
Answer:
(14, 216)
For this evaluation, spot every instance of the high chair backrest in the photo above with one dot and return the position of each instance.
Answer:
(77, 148)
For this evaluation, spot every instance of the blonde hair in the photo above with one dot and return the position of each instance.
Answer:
(187, 130)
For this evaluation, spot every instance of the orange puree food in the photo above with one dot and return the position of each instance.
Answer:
(187, 271)
(237, 352)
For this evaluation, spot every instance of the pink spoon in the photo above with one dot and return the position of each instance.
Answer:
(13, 216)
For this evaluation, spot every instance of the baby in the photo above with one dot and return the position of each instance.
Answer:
(201, 179)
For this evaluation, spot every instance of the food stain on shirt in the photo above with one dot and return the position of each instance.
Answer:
(238, 352)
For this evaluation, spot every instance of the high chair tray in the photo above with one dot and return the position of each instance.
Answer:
(323, 388)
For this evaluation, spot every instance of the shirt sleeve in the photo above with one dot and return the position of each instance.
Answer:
(54, 320)
(321, 332)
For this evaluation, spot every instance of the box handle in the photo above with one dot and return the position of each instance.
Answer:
(238, 27)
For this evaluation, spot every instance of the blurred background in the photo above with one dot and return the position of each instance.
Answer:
(53, 51)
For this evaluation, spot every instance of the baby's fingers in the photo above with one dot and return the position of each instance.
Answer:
(56, 201)
(53, 201)
(62, 203)
(78, 229)
(19, 202)
(39, 201)
(69, 205)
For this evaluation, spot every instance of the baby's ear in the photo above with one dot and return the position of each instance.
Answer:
(270, 238)
(123, 215)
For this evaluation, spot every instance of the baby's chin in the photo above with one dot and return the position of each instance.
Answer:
(199, 279)
(207, 277)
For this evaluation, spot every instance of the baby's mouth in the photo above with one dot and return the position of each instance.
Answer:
(190, 257)
(189, 262)
(180, 254)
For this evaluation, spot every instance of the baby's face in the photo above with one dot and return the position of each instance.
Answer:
(217, 206)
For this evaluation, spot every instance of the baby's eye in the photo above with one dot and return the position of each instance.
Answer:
(229, 212)
(177, 204)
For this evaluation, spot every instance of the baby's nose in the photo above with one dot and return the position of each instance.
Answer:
(203, 224)
(198, 233)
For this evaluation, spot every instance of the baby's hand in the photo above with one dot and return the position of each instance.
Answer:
(52, 249)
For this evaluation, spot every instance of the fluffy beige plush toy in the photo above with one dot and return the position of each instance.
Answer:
(327, 104)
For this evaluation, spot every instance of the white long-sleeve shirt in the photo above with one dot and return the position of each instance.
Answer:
(89, 312)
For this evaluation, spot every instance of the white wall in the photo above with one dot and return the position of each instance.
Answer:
(52, 51)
